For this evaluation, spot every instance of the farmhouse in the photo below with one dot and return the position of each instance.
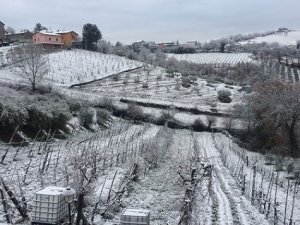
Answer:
(57, 39)
(21, 37)
(2, 32)
(167, 44)
(68, 37)
(138, 45)
(48, 40)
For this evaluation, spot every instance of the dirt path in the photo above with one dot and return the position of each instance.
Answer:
(161, 190)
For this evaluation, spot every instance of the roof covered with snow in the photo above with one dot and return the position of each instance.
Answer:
(65, 32)
(49, 33)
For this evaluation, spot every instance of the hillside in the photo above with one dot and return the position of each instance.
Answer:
(281, 38)
(123, 165)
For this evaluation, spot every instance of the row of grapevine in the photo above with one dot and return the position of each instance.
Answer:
(215, 58)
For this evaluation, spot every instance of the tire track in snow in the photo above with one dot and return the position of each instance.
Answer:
(221, 207)
(228, 198)
(237, 209)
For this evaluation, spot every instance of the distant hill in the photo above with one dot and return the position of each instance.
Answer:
(282, 38)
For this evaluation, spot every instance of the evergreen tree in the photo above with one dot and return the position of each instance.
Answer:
(39, 27)
(90, 36)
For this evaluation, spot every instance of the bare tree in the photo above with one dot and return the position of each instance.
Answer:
(32, 63)
(280, 102)
(10, 30)
(104, 47)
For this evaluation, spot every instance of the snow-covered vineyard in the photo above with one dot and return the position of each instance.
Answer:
(231, 193)
(181, 176)
(215, 58)
(77, 66)
(73, 67)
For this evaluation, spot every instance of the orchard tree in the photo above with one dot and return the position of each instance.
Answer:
(90, 36)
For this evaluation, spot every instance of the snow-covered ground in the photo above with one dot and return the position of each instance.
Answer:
(165, 90)
(290, 38)
(214, 58)
(158, 189)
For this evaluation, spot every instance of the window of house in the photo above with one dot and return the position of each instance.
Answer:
(49, 39)
(56, 39)
(35, 39)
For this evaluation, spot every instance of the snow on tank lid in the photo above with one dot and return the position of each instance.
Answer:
(51, 191)
(135, 212)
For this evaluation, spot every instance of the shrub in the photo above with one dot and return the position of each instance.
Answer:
(115, 77)
(60, 119)
(75, 105)
(44, 89)
(135, 112)
(199, 126)
(185, 81)
(137, 79)
(174, 124)
(159, 77)
(224, 96)
(103, 118)
(145, 85)
(40, 117)
(269, 158)
(87, 117)
(247, 89)
(211, 120)
(164, 117)
(193, 78)
(107, 103)
(12, 116)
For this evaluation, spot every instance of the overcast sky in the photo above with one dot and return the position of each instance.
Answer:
(154, 20)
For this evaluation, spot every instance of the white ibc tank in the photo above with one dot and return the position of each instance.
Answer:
(135, 217)
(49, 206)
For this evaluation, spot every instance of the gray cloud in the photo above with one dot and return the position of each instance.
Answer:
(157, 20)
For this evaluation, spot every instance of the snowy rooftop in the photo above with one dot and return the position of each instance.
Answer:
(65, 31)
(51, 191)
(49, 33)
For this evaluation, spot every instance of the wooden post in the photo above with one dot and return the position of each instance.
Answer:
(5, 206)
(13, 199)
(253, 186)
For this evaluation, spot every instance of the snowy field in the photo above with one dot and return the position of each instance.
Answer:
(158, 87)
(214, 58)
(290, 39)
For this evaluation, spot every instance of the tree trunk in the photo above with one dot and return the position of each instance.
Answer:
(292, 140)
(33, 86)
